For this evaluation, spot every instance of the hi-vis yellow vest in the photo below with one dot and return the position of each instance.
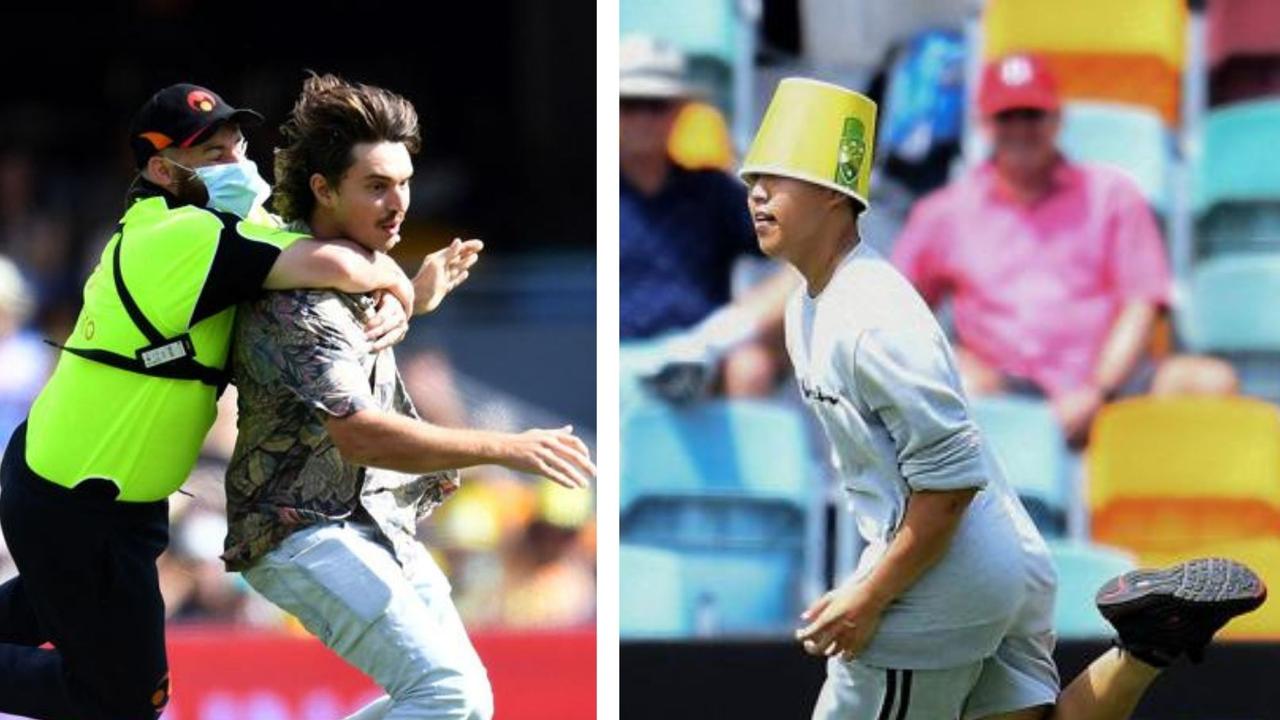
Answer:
(132, 403)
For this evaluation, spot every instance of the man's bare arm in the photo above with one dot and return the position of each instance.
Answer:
(846, 619)
(1129, 336)
(387, 440)
(930, 522)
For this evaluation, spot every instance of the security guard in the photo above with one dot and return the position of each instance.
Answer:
(120, 423)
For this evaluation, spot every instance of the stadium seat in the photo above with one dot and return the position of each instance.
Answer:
(1082, 569)
(1028, 441)
(1171, 474)
(1231, 308)
(1243, 79)
(1228, 314)
(704, 28)
(1230, 228)
(1230, 167)
(1130, 138)
(1260, 554)
(635, 357)
(651, 602)
(741, 591)
(668, 593)
(1129, 53)
(1087, 27)
(719, 449)
(1241, 28)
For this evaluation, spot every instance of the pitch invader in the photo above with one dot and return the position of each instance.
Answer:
(949, 611)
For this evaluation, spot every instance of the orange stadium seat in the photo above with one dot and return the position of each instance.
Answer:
(1170, 475)
(1142, 80)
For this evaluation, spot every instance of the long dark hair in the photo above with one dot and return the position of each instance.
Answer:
(329, 119)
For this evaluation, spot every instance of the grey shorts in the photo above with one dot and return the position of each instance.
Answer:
(1021, 674)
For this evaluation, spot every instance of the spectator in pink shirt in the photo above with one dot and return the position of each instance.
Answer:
(1057, 271)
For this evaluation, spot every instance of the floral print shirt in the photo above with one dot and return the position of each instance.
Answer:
(300, 357)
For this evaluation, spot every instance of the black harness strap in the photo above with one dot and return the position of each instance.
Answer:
(172, 358)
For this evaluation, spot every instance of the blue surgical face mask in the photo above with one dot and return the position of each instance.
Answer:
(235, 187)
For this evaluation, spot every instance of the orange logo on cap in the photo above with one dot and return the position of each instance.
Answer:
(201, 101)
(158, 140)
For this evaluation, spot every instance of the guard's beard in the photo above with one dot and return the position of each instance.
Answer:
(188, 188)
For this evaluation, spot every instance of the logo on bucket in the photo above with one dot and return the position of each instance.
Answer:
(853, 148)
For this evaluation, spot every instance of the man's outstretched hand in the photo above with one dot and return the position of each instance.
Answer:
(442, 271)
(558, 455)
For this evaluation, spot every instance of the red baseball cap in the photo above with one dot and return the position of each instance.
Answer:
(1015, 82)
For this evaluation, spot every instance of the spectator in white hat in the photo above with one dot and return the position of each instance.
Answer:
(681, 232)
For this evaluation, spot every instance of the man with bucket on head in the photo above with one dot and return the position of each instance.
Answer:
(949, 611)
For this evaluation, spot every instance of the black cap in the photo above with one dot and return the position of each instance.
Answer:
(181, 115)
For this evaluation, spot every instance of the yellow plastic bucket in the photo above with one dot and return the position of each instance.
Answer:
(816, 132)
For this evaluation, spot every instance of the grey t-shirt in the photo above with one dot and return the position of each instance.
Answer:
(877, 371)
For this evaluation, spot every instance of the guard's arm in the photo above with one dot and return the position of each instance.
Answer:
(340, 265)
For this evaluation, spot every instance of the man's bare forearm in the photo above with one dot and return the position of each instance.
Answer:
(381, 439)
(1124, 346)
(925, 535)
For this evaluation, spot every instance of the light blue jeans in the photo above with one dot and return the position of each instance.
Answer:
(399, 626)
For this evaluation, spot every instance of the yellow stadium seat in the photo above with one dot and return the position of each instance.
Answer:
(1169, 474)
(1087, 27)
(700, 139)
(1261, 554)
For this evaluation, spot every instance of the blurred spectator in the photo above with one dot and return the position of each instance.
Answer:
(1057, 270)
(25, 360)
(430, 380)
(543, 573)
(193, 582)
(681, 231)
(38, 241)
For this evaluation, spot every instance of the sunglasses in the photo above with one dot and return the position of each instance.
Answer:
(1025, 114)
(652, 106)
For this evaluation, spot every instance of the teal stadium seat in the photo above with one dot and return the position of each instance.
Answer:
(1234, 164)
(1232, 305)
(1082, 569)
(669, 594)
(653, 607)
(1231, 227)
(740, 591)
(1026, 438)
(703, 27)
(1127, 137)
(724, 486)
(636, 357)
(714, 451)
(1231, 313)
